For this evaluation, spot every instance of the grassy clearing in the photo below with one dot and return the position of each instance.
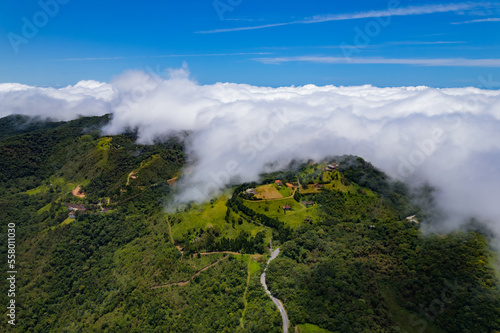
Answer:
(254, 264)
(144, 165)
(67, 221)
(39, 189)
(404, 319)
(274, 208)
(335, 183)
(44, 208)
(200, 216)
(150, 161)
(104, 143)
(253, 268)
(248, 227)
(59, 184)
(309, 189)
(296, 219)
(312, 170)
(268, 192)
(103, 146)
(284, 190)
(293, 218)
(310, 328)
(208, 215)
(170, 230)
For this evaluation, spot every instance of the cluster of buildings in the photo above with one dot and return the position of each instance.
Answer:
(73, 208)
(280, 183)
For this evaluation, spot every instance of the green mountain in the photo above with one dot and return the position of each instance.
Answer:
(95, 250)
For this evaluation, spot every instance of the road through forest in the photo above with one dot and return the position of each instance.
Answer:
(276, 301)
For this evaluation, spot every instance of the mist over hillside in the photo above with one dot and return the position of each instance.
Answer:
(448, 138)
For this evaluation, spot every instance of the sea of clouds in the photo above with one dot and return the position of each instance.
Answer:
(449, 138)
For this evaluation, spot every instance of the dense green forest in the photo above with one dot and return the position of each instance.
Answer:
(96, 250)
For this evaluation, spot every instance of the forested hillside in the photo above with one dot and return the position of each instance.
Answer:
(96, 250)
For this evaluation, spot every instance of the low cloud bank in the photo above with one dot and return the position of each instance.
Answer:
(86, 98)
(449, 138)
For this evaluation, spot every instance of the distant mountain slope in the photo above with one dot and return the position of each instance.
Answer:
(19, 124)
(28, 158)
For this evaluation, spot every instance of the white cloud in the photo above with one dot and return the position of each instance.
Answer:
(423, 43)
(165, 56)
(392, 10)
(448, 137)
(491, 19)
(85, 98)
(445, 62)
(395, 11)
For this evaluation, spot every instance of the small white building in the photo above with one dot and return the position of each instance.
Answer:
(251, 191)
(332, 167)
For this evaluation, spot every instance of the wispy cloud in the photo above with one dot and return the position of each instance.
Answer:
(395, 43)
(444, 62)
(433, 35)
(94, 58)
(406, 11)
(424, 42)
(247, 28)
(242, 19)
(491, 19)
(167, 56)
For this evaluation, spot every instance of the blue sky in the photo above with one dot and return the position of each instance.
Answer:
(271, 43)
